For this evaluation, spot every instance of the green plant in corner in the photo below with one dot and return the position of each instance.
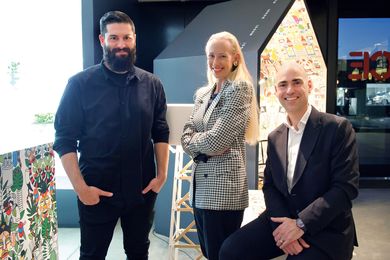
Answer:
(44, 118)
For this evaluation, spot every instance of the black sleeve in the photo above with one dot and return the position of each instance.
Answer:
(68, 120)
(160, 129)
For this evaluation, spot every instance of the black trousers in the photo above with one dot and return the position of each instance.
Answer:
(97, 224)
(255, 241)
(213, 227)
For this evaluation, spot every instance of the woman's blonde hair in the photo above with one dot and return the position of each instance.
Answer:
(240, 73)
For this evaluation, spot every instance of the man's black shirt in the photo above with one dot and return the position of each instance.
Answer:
(113, 121)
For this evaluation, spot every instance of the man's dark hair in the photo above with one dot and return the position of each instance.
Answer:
(114, 17)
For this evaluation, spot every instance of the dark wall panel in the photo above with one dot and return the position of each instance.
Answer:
(157, 24)
(318, 12)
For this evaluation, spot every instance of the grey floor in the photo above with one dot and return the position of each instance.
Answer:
(371, 211)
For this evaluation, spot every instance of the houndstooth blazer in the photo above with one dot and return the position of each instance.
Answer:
(220, 183)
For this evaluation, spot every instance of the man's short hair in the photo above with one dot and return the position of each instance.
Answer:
(114, 17)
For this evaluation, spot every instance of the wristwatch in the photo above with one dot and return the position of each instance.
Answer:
(300, 224)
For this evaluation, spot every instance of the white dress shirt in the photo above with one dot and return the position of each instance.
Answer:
(294, 141)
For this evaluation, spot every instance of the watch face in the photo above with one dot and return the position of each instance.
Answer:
(300, 223)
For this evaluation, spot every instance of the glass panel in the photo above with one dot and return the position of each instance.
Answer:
(363, 89)
(41, 48)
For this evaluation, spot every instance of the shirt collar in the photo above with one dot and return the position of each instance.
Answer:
(302, 122)
(133, 72)
(226, 83)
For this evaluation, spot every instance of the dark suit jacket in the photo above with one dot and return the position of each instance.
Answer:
(324, 183)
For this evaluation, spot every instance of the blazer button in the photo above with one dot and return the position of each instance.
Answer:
(205, 175)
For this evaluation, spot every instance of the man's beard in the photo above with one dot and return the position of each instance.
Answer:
(119, 63)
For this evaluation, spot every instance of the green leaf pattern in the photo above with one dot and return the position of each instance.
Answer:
(28, 231)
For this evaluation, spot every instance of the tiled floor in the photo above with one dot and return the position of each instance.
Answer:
(371, 211)
(69, 246)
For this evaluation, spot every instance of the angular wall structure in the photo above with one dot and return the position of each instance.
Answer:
(182, 65)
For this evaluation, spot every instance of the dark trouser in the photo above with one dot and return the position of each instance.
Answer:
(97, 224)
(254, 241)
(213, 227)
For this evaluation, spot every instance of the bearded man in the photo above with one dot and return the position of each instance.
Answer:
(113, 114)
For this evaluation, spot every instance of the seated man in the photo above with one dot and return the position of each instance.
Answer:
(310, 178)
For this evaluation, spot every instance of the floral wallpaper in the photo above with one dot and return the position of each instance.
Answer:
(28, 204)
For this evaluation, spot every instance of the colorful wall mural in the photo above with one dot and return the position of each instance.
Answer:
(294, 40)
(28, 207)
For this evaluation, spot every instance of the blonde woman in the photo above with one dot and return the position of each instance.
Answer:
(224, 118)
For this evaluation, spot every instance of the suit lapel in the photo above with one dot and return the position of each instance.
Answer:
(281, 153)
(309, 139)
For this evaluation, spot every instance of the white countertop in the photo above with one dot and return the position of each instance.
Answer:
(20, 136)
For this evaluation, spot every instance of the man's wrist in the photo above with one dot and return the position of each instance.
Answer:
(162, 177)
(300, 224)
(81, 188)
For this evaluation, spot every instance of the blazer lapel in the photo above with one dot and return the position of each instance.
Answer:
(199, 115)
(309, 139)
(210, 110)
(281, 153)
